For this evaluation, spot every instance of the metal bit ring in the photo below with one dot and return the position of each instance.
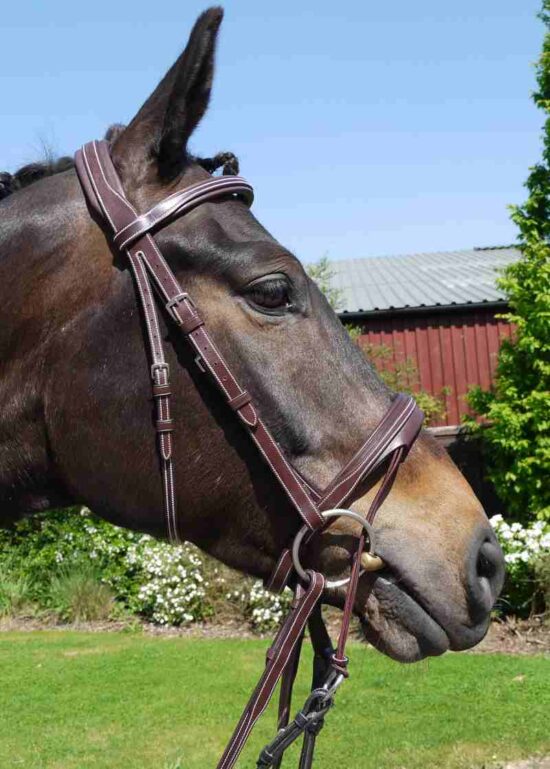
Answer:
(327, 514)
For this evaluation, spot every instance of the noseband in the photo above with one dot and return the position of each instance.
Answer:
(386, 447)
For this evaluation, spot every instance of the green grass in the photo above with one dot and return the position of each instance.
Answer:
(73, 700)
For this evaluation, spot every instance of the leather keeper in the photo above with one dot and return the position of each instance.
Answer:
(191, 323)
(164, 425)
(160, 390)
(239, 401)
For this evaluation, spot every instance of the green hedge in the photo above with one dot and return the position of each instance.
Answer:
(73, 565)
(49, 562)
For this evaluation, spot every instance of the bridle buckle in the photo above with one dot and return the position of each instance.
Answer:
(160, 367)
(175, 301)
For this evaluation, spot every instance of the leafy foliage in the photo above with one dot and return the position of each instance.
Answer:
(14, 592)
(541, 568)
(405, 378)
(526, 552)
(78, 595)
(322, 273)
(73, 565)
(518, 408)
(57, 541)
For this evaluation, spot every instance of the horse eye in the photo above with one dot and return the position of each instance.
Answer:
(270, 294)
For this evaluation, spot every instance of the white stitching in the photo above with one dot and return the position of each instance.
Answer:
(250, 718)
(190, 194)
(373, 461)
(144, 288)
(278, 568)
(122, 200)
(165, 501)
(164, 265)
(95, 187)
(282, 580)
(300, 508)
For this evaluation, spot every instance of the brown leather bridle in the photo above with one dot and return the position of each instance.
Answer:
(386, 446)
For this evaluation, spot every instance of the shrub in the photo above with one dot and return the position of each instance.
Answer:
(77, 594)
(39, 546)
(404, 377)
(15, 592)
(322, 273)
(542, 580)
(517, 409)
(173, 589)
(163, 583)
(264, 610)
(526, 555)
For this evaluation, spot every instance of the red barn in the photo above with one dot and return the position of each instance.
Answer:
(439, 311)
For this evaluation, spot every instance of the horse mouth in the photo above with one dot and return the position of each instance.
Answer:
(396, 621)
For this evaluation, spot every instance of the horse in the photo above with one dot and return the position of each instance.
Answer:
(76, 413)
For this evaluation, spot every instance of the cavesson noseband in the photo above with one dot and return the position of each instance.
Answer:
(388, 444)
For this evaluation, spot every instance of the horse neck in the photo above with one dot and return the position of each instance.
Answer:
(75, 408)
(51, 271)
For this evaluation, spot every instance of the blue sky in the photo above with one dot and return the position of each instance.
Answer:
(367, 128)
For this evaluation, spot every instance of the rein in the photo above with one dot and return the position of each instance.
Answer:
(387, 445)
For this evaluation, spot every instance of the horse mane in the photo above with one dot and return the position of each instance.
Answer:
(50, 166)
(33, 172)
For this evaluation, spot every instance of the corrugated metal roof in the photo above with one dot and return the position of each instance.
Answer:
(421, 280)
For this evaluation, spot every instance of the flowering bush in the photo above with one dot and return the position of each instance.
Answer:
(264, 610)
(162, 582)
(166, 584)
(523, 547)
(48, 543)
(177, 585)
(172, 589)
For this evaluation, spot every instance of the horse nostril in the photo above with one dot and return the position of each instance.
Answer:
(487, 577)
(485, 567)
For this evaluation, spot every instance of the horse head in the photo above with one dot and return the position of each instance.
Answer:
(75, 367)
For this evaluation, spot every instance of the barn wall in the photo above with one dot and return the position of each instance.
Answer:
(453, 350)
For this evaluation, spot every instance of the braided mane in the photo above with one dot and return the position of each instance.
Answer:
(32, 172)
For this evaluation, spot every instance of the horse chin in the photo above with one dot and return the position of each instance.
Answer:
(396, 624)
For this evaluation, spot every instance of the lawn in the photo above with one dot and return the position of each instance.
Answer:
(72, 700)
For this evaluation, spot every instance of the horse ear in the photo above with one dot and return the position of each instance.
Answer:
(158, 134)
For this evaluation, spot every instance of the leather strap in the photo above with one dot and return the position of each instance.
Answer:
(398, 429)
(180, 203)
(339, 657)
(104, 190)
(390, 441)
(105, 194)
(277, 658)
(396, 432)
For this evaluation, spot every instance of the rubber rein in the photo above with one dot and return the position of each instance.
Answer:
(383, 450)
